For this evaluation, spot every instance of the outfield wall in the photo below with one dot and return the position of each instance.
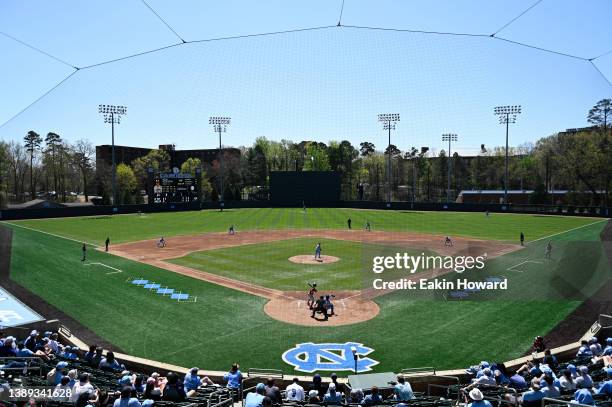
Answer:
(104, 210)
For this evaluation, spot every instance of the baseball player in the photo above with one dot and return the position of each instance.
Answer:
(318, 252)
(232, 230)
(329, 306)
(522, 239)
(84, 249)
(368, 227)
(320, 307)
(349, 222)
(548, 250)
(448, 242)
(162, 242)
(311, 295)
(106, 243)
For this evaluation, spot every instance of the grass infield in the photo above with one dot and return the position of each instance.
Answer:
(224, 325)
(267, 264)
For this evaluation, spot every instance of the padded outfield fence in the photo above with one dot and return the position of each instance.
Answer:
(105, 210)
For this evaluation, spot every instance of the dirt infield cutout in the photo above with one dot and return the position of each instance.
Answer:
(351, 307)
(309, 259)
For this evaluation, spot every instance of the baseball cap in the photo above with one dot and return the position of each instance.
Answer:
(571, 368)
(61, 365)
(332, 386)
(584, 369)
(260, 387)
(476, 394)
(34, 332)
(125, 380)
(313, 393)
(609, 341)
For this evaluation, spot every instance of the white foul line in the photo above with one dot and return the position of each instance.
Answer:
(105, 265)
(565, 231)
(48, 233)
(521, 263)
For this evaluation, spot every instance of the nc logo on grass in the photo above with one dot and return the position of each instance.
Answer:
(309, 357)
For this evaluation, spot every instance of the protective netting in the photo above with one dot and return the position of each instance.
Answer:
(321, 81)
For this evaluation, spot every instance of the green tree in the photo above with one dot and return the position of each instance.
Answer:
(366, 148)
(159, 160)
(32, 142)
(126, 184)
(53, 140)
(189, 167)
(600, 114)
(316, 158)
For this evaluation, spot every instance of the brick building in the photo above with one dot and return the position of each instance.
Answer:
(125, 154)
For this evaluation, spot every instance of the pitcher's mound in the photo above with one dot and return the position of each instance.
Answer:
(309, 259)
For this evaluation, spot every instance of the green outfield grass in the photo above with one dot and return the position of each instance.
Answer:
(125, 228)
(225, 326)
(267, 264)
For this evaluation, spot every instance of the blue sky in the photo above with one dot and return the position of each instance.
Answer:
(320, 84)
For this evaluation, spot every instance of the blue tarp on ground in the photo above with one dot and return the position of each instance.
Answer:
(13, 312)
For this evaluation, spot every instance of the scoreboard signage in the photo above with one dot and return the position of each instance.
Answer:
(174, 187)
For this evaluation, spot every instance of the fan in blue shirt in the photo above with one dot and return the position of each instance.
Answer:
(402, 390)
(233, 377)
(605, 387)
(255, 399)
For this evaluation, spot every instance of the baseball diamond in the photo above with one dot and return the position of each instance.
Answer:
(246, 285)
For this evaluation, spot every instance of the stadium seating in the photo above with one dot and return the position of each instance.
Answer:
(42, 371)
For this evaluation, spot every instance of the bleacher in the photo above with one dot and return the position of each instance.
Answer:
(33, 371)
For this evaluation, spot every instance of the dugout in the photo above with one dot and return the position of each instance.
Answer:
(314, 188)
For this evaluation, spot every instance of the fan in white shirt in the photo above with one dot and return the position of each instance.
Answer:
(294, 391)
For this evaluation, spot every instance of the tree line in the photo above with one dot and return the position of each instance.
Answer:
(45, 167)
(579, 161)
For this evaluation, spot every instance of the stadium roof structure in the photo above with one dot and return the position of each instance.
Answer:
(54, 44)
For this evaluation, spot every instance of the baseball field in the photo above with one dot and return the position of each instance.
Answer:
(244, 300)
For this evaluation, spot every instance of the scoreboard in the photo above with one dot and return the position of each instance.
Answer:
(169, 187)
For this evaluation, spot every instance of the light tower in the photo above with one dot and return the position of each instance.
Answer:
(389, 120)
(112, 114)
(507, 115)
(220, 124)
(449, 137)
